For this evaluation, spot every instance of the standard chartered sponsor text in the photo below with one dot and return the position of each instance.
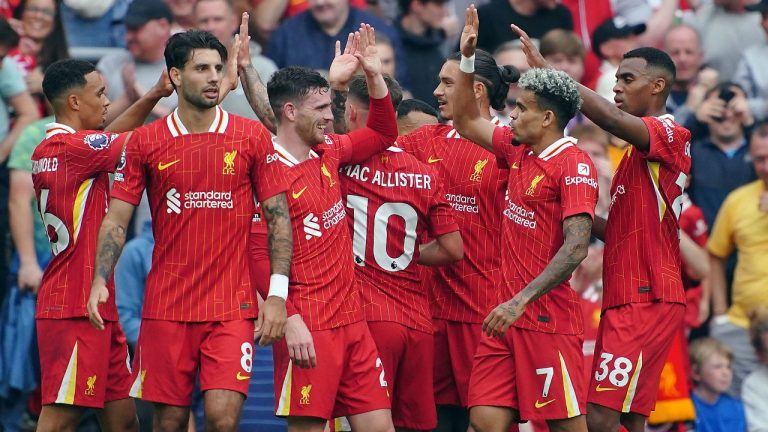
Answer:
(334, 215)
(520, 215)
(208, 199)
(463, 203)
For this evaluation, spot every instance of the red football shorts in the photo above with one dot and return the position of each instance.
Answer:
(407, 358)
(455, 346)
(632, 346)
(169, 354)
(80, 365)
(349, 377)
(538, 374)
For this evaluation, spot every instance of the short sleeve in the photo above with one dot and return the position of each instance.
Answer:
(130, 180)
(21, 155)
(440, 216)
(502, 145)
(669, 142)
(267, 172)
(720, 241)
(578, 186)
(99, 151)
(11, 80)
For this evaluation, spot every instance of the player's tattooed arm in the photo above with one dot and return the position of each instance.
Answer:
(108, 248)
(598, 227)
(279, 236)
(577, 231)
(256, 93)
(338, 102)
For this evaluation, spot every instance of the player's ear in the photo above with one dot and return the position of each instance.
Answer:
(289, 111)
(175, 75)
(659, 84)
(351, 112)
(548, 118)
(73, 102)
(479, 89)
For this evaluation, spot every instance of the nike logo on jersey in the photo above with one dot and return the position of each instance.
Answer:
(161, 166)
(602, 389)
(433, 159)
(241, 377)
(296, 195)
(514, 165)
(543, 404)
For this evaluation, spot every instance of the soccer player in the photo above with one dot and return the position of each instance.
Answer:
(464, 292)
(81, 366)
(643, 298)
(529, 365)
(328, 365)
(202, 168)
(393, 201)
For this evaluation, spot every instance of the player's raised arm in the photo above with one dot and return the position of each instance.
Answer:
(601, 111)
(444, 249)
(137, 113)
(467, 120)
(272, 313)
(108, 248)
(255, 90)
(576, 232)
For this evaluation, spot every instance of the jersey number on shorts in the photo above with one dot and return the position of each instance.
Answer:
(380, 232)
(60, 238)
(619, 375)
(246, 361)
(549, 372)
(379, 365)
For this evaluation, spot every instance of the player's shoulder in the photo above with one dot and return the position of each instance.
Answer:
(665, 125)
(243, 125)
(401, 158)
(426, 132)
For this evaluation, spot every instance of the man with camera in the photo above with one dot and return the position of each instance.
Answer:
(720, 158)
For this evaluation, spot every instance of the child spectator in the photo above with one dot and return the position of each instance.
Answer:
(711, 364)
(754, 391)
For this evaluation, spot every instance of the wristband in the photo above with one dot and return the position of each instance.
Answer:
(278, 286)
(467, 64)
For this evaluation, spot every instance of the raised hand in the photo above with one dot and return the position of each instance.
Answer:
(367, 53)
(229, 81)
(344, 64)
(244, 54)
(532, 54)
(468, 41)
(163, 86)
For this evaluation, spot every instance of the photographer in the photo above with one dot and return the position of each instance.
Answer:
(720, 154)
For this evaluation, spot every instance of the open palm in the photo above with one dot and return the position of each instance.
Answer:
(345, 64)
(368, 54)
(468, 41)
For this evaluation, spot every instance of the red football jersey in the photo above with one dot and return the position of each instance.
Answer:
(392, 200)
(642, 242)
(543, 191)
(322, 282)
(467, 290)
(70, 175)
(201, 190)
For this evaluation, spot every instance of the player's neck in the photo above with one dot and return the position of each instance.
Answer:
(294, 144)
(196, 120)
(71, 121)
(657, 111)
(546, 140)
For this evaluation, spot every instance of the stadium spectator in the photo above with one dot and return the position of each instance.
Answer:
(540, 16)
(386, 55)
(420, 29)
(13, 97)
(720, 161)
(41, 42)
(563, 50)
(752, 71)
(594, 141)
(218, 17)
(308, 38)
(129, 72)
(712, 372)
(727, 29)
(183, 15)
(413, 114)
(741, 226)
(268, 14)
(94, 23)
(683, 44)
(754, 393)
(610, 41)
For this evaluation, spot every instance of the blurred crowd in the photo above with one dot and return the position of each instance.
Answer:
(717, 377)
